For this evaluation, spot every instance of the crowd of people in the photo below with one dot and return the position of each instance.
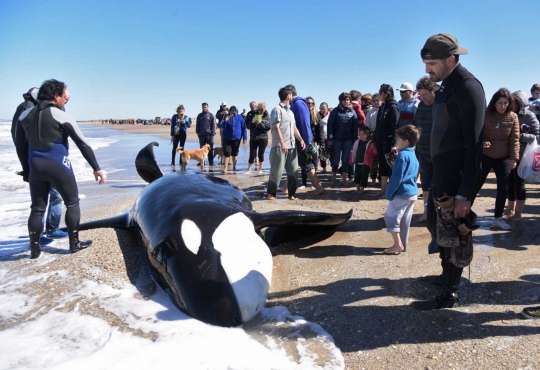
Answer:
(443, 134)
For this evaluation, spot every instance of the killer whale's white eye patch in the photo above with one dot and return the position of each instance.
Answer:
(192, 236)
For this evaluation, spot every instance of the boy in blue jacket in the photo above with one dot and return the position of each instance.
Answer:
(402, 189)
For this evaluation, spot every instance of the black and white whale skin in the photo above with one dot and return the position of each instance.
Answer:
(204, 241)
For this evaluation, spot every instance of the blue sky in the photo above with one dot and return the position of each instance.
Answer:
(143, 58)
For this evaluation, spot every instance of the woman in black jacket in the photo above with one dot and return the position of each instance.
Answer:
(258, 136)
(385, 132)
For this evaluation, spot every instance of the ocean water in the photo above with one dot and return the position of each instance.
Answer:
(66, 338)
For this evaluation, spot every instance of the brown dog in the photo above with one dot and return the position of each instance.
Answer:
(218, 151)
(198, 154)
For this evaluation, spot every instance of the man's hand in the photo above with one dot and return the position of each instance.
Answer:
(461, 208)
(512, 164)
(487, 144)
(284, 148)
(303, 145)
(99, 176)
(244, 142)
(394, 150)
(172, 138)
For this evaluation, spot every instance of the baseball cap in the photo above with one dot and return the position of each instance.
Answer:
(223, 103)
(441, 46)
(406, 86)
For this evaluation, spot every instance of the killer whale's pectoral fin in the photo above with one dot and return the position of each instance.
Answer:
(122, 221)
(146, 164)
(300, 227)
(283, 218)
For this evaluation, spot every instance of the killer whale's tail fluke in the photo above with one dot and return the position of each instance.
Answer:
(146, 164)
(122, 221)
(299, 227)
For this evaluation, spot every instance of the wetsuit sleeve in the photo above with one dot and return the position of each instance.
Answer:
(473, 107)
(71, 128)
(21, 145)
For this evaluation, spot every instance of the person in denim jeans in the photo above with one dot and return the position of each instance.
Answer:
(342, 130)
(54, 214)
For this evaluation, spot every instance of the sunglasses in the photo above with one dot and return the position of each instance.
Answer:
(310, 103)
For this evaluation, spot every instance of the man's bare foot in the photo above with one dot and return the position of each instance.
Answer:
(247, 173)
(319, 191)
(292, 197)
(260, 172)
(270, 197)
(301, 187)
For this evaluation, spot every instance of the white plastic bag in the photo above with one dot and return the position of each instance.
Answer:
(529, 167)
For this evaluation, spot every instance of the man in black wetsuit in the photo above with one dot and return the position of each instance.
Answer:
(42, 147)
(456, 153)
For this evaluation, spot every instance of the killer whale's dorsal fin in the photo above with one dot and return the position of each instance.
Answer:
(146, 164)
(282, 218)
(122, 221)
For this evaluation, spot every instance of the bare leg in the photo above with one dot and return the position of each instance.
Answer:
(249, 169)
(510, 211)
(423, 217)
(226, 164)
(384, 185)
(398, 245)
(315, 181)
(261, 167)
(234, 160)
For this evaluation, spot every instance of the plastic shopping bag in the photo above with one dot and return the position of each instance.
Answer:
(529, 167)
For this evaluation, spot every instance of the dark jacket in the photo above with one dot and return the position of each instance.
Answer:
(30, 100)
(260, 131)
(206, 124)
(183, 124)
(234, 128)
(342, 124)
(387, 119)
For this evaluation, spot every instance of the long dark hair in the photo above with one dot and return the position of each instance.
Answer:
(501, 93)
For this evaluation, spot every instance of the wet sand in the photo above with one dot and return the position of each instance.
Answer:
(362, 297)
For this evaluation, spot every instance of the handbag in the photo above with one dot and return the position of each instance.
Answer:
(529, 166)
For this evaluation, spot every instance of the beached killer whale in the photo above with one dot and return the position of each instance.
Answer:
(204, 241)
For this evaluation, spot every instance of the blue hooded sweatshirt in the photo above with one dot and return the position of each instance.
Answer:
(235, 128)
(301, 116)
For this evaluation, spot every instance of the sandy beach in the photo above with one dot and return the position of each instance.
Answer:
(345, 284)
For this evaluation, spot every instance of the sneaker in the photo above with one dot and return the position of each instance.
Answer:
(56, 234)
(501, 224)
(43, 240)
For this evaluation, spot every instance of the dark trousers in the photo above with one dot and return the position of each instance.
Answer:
(210, 141)
(516, 186)
(361, 174)
(257, 145)
(178, 139)
(502, 173)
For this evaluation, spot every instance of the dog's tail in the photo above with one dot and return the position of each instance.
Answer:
(180, 149)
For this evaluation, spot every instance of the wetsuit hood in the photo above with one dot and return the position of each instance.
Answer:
(31, 95)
